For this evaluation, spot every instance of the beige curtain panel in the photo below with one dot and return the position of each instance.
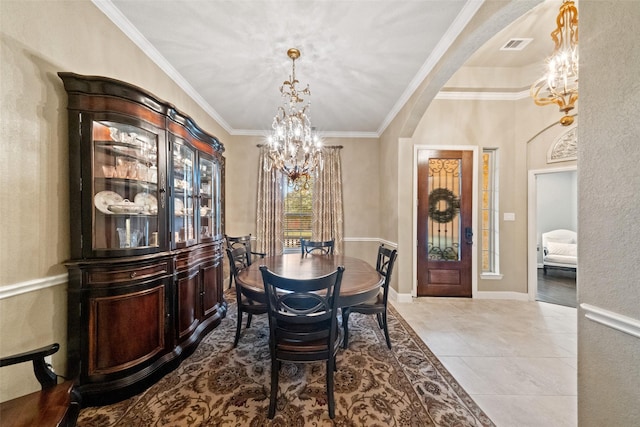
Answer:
(328, 214)
(270, 207)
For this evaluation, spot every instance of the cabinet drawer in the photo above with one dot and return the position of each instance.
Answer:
(197, 256)
(124, 274)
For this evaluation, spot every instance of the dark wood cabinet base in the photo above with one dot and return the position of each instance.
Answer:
(108, 392)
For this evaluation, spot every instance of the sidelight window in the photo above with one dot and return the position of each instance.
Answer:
(489, 211)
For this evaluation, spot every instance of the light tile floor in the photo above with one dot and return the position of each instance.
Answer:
(517, 359)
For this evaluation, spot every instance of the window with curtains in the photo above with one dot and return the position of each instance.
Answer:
(285, 213)
(298, 214)
(489, 210)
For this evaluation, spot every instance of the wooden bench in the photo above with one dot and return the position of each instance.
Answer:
(54, 405)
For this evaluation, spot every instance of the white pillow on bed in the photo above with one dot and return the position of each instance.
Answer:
(567, 249)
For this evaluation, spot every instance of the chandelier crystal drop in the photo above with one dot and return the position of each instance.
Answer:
(294, 148)
(560, 83)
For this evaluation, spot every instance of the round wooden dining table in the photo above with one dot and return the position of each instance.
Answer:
(360, 281)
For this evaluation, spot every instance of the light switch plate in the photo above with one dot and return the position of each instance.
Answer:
(509, 216)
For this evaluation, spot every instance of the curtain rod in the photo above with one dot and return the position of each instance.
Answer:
(324, 146)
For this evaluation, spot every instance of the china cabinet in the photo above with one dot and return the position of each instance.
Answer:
(146, 204)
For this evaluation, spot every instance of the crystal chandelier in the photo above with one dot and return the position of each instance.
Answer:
(560, 83)
(294, 149)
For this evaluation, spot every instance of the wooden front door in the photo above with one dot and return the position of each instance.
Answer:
(445, 237)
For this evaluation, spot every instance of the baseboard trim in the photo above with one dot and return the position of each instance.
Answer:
(33, 285)
(518, 296)
(611, 319)
(396, 297)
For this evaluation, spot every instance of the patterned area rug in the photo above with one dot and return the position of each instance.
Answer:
(374, 386)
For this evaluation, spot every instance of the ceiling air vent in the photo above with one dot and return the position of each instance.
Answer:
(516, 44)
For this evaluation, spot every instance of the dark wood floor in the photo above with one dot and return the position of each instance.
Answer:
(557, 287)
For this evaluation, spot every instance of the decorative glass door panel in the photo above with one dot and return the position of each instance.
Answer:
(207, 202)
(183, 197)
(443, 222)
(445, 236)
(125, 187)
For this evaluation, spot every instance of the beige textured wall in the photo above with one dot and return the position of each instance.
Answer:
(391, 166)
(496, 78)
(241, 183)
(609, 211)
(38, 39)
(507, 126)
(489, 124)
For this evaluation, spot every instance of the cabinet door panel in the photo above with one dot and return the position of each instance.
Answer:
(212, 287)
(187, 304)
(138, 316)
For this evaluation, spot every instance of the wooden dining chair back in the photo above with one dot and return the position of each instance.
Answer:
(251, 255)
(316, 247)
(303, 325)
(246, 301)
(378, 305)
(55, 405)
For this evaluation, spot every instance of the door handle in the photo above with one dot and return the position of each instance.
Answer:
(468, 235)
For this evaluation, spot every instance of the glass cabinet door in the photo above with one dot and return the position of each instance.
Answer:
(125, 187)
(183, 201)
(216, 188)
(206, 200)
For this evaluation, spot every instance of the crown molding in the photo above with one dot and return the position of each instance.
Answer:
(482, 95)
(330, 134)
(116, 16)
(468, 11)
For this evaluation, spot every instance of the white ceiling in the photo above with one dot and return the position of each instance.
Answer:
(362, 59)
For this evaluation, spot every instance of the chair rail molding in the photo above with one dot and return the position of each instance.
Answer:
(613, 320)
(33, 285)
(20, 288)
(371, 239)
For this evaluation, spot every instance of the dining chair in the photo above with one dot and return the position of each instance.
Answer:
(316, 247)
(55, 404)
(377, 305)
(245, 301)
(303, 325)
(234, 242)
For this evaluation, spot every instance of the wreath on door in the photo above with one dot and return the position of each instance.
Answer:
(453, 205)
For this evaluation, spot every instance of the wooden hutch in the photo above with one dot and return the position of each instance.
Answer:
(145, 274)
